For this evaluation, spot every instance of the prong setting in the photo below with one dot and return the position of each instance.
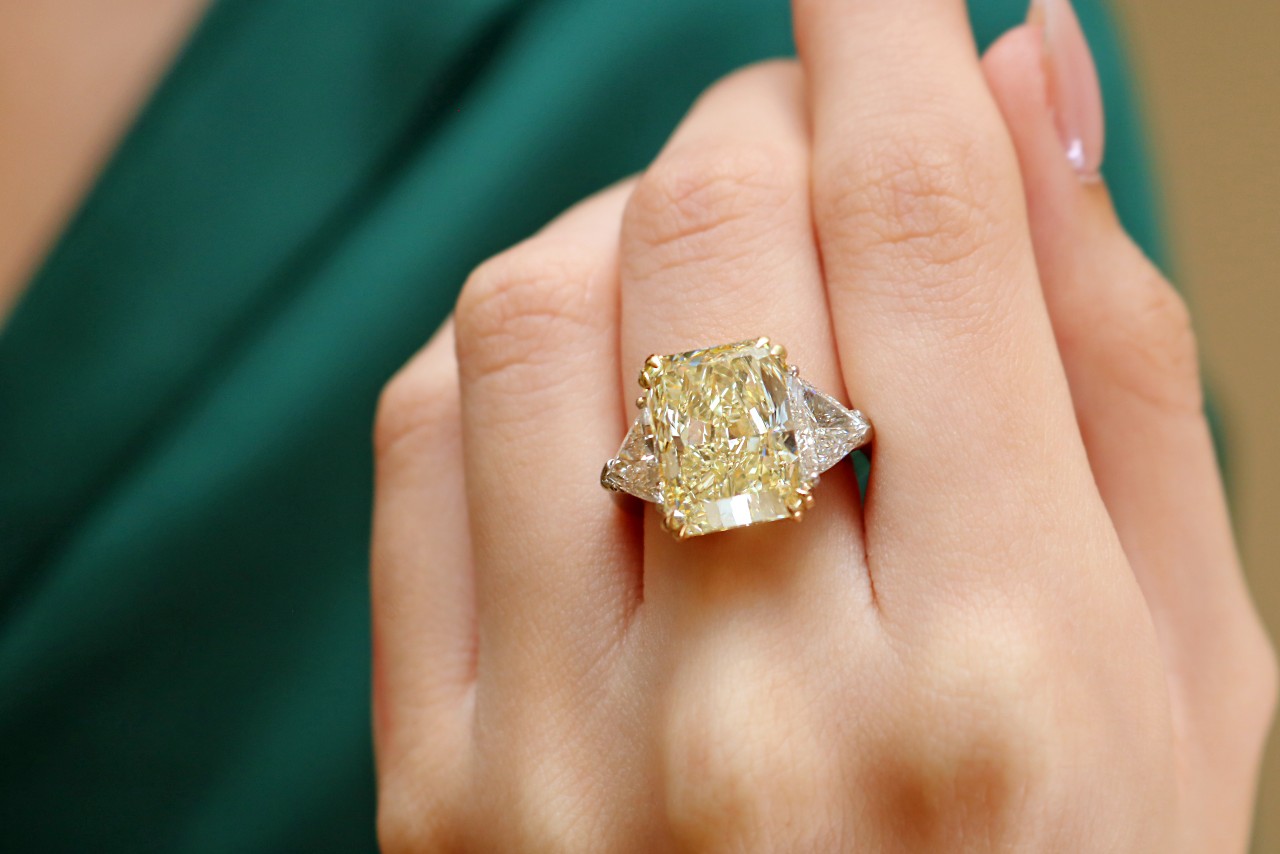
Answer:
(606, 476)
(651, 371)
(668, 456)
(800, 500)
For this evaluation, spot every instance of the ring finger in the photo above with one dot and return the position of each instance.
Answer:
(717, 247)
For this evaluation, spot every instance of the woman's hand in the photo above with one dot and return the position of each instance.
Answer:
(1033, 636)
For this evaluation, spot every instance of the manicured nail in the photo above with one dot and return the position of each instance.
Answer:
(1072, 79)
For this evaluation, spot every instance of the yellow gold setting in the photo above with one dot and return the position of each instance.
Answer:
(730, 436)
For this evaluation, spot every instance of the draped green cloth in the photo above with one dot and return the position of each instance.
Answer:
(187, 389)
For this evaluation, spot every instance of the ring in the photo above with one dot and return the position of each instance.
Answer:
(730, 436)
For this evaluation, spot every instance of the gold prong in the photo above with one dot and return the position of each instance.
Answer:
(795, 503)
(649, 373)
(679, 530)
(641, 401)
(797, 515)
(763, 342)
(808, 501)
(778, 350)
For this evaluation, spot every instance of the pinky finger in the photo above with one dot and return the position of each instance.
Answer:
(422, 580)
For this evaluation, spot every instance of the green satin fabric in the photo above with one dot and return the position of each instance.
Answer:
(186, 391)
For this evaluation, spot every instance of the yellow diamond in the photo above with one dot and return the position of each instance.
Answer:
(724, 433)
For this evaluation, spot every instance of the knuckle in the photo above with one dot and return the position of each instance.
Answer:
(556, 761)
(696, 198)
(924, 194)
(521, 303)
(1154, 351)
(963, 790)
(554, 811)
(938, 795)
(407, 823)
(988, 676)
(1267, 671)
(1259, 681)
(991, 679)
(397, 832)
(423, 789)
(972, 757)
(1266, 675)
(738, 750)
(548, 787)
(418, 400)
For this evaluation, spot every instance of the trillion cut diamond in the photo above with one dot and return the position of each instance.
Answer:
(836, 430)
(635, 469)
(730, 436)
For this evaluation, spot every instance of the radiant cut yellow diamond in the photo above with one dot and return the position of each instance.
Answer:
(725, 437)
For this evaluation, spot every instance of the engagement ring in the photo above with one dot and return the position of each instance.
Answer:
(730, 436)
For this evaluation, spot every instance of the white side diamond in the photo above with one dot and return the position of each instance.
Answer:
(825, 434)
(837, 431)
(635, 469)
(806, 428)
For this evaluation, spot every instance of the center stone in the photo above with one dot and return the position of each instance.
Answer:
(724, 434)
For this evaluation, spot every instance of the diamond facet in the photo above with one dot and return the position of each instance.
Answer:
(729, 436)
(724, 428)
(635, 468)
(836, 430)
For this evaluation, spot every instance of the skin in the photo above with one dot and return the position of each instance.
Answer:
(1034, 636)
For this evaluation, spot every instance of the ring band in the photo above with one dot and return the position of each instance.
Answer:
(730, 436)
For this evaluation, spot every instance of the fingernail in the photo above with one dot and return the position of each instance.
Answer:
(1072, 80)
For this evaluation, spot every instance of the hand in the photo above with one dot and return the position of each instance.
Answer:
(1033, 636)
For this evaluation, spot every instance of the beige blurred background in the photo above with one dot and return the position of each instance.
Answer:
(1210, 75)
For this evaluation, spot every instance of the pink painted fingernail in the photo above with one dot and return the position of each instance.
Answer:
(1072, 78)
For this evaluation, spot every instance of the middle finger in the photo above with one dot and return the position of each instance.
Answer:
(941, 326)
